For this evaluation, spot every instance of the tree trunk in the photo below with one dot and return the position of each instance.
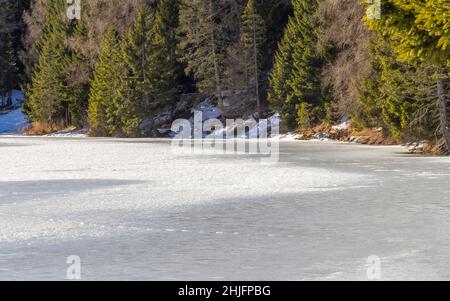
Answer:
(443, 116)
(255, 53)
(214, 52)
(144, 78)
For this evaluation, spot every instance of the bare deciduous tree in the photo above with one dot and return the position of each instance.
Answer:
(343, 30)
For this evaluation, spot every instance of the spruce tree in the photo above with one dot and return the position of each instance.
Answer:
(395, 93)
(166, 25)
(48, 93)
(303, 116)
(201, 45)
(253, 38)
(8, 68)
(281, 73)
(149, 50)
(110, 110)
(306, 68)
(11, 31)
(419, 32)
(138, 50)
(296, 76)
(165, 44)
(77, 77)
(419, 29)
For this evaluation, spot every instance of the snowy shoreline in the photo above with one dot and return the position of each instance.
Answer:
(147, 139)
(11, 122)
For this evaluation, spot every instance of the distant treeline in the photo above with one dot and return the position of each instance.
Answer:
(384, 64)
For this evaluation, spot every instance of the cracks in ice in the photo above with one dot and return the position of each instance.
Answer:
(212, 232)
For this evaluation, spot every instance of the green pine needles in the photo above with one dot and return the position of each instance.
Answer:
(135, 78)
(295, 78)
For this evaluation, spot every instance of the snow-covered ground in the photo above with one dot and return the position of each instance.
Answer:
(75, 133)
(12, 121)
(133, 209)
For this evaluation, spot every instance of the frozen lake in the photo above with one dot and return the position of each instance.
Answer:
(132, 209)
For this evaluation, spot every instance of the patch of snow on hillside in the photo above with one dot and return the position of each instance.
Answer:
(209, 111)
(343, 126)
(290, 136)
(13, 121)
(70, 133)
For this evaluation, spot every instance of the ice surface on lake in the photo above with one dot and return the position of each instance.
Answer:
(132, 209)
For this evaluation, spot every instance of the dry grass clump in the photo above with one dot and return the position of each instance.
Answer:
(365, 136)
(40, 128)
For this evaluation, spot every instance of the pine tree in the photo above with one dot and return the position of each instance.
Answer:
(11, 30)
(110, 110)
(11, 16)
(201, 46)
(419, 32)
(166, 25)
(296, 74)
(48, 93)
(253, 38)
(168, 69)
(306, 68)
(303, 113)
(419, 29)
(8, 68)
(279, 88)
(77, 77)
(138, 51)
(149, 50)
(275, 14)
(35, 21)
(241, 91)
(395, 93)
